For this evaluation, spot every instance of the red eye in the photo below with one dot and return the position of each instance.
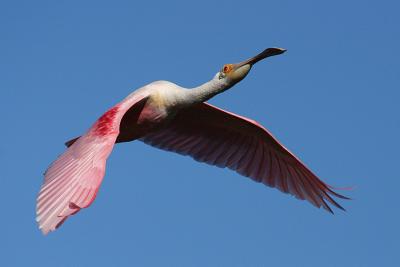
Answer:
(225, 68)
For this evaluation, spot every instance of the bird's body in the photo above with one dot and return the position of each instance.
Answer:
(173, 118)
(162, 102)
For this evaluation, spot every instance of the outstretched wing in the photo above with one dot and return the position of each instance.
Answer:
(72, 181)
(221, 138)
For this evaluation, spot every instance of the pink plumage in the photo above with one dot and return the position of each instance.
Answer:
(72, 181)
(104, 124)
(218, 137)
(167, 116)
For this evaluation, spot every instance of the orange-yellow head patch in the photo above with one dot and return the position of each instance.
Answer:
(227, 68)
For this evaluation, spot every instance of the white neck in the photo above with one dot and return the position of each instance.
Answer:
(207, 90)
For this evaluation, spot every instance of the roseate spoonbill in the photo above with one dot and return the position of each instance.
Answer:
(173, 118)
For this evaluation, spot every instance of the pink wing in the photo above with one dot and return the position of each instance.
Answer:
(217, 137)
(72, 181)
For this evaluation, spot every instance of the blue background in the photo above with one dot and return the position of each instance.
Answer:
(333, 99)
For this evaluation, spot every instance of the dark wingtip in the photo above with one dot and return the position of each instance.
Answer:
(340, 207)
(331, 188)
(331, 200)
(70, 142)
(338, 195)
(326, 206)
(337, 205)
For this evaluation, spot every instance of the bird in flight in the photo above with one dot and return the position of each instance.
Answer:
(170, 117)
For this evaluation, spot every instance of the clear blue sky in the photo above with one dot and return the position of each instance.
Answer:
(333, 99)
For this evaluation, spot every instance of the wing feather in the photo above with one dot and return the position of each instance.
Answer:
(217, 137)
(73, 186)
(72, 181)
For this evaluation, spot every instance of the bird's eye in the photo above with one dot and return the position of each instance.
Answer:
(227, 68)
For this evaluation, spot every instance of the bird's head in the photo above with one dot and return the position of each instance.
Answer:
(231, 74)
